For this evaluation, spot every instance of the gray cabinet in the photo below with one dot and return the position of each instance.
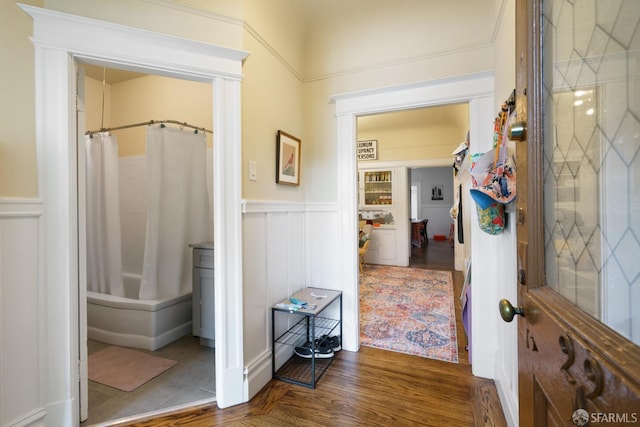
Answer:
(203, 295)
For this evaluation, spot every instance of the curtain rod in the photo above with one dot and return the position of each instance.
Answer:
(150, 122)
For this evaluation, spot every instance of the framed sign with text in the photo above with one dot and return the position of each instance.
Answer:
(367, 150)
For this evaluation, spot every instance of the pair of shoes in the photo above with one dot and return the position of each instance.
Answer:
(328, 341)
(307, 351)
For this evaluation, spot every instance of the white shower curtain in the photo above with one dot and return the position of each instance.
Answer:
(104, 251)
(177, 210)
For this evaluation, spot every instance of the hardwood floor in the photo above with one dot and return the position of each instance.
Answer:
(371, 387)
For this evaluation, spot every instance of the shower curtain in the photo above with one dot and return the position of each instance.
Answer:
(177, 210)
(104, 251)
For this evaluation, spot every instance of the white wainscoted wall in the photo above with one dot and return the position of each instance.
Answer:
(21, 304)
(280, 240)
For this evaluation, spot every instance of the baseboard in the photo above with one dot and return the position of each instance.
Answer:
(482, 365)
(258, 373)
(31, 419)
(508, 398)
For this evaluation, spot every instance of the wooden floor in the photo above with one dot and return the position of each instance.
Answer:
(367, 388)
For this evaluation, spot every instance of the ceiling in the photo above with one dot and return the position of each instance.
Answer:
(111, 75)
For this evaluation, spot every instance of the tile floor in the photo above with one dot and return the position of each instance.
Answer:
(191, 380)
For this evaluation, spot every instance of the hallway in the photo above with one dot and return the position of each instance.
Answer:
(434, 255)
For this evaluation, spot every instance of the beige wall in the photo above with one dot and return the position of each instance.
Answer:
(18, 176)
(505, 54)
(158, 98)
(271, 99)
(369, 33)
(143, 99)
(96, 116)
(421, 134)
(416, 143)
(212, 21)
(380, 44)
(294, 68)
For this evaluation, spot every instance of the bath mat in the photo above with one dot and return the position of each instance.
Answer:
(125, 369)
(409, 310)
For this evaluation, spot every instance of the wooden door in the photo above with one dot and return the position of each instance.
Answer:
(578, 212)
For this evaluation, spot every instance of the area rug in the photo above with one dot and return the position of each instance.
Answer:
(125, 369)
(409, 310)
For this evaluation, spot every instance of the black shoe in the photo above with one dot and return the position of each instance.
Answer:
(327, 341)
(321, 352)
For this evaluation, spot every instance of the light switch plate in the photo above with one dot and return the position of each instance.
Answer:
(253, 171)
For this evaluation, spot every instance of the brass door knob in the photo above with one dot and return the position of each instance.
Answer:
(518, 131)
(507, 311)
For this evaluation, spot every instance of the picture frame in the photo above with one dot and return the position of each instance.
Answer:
(287, 159)
(437, 192)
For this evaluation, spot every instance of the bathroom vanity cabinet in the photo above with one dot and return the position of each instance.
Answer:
(203, 294)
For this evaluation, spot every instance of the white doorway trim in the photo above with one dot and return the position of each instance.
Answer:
(477, 90)
(60, 39)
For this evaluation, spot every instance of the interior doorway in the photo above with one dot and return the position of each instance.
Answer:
(410, 144)
(79, 38)
(474, 89)
(114, 98)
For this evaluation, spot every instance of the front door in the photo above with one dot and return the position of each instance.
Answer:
(577, 88)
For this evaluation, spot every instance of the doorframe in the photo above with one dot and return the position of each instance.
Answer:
(475, 89)
(60, 39)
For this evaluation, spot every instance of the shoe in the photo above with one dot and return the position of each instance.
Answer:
(321, 352)
(328, 341)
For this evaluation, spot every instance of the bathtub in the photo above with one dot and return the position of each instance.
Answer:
(129, 322)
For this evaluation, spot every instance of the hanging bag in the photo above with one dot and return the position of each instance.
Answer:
(493, 179)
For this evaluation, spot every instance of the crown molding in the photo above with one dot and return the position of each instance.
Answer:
(172, 4)
(410, 60)
(298, 74)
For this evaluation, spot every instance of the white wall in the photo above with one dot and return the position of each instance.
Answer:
(22, 379)
(506, 358)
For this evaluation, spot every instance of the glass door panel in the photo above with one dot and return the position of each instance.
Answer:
(591, 157)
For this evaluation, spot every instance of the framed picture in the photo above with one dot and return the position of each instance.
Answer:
(287, 159)
(437, 192)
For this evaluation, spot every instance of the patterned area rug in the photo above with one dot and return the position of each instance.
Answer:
(408, 310)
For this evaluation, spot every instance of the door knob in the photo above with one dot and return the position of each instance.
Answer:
(507, 311)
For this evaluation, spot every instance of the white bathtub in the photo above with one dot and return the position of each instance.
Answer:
(129, 322)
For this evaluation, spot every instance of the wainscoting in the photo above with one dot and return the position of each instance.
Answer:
(21, 305)
(287, 246)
